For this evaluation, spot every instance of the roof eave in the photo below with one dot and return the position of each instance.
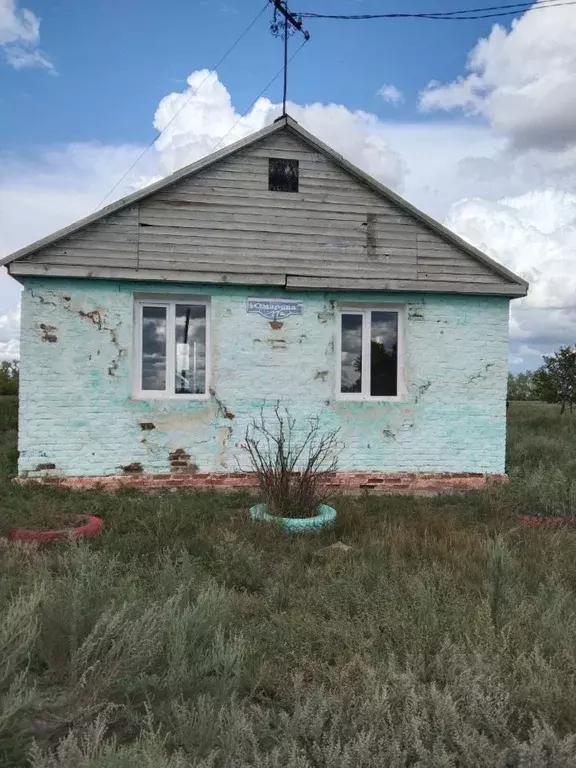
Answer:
(135, 197)
(440, 229)
(279, 124)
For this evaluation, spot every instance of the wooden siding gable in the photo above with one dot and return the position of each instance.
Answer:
(217, 221)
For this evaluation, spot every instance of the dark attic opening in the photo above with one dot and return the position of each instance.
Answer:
(283, 175)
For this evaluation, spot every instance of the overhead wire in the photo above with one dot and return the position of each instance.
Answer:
(466, 14)
(262, 92)
(185, 104)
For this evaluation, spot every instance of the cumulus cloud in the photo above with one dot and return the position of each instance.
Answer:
(20, 37)
(535, 235)
(195, 121)
(522, 80)
(9, 330)
(391, 94)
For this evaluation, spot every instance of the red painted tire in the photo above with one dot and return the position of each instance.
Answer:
(533, 520)
(91, 527)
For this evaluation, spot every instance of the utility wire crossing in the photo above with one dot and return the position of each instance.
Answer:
(467, 14)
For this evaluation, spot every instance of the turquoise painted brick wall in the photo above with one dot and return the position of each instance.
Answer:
(77, 410)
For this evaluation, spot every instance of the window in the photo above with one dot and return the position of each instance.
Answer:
(171, 348)
(282, 175)
(370, 353)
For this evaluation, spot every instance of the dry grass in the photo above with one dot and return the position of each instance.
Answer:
(188, 636)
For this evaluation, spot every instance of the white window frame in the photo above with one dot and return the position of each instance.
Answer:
(169, 303)
(365, 310)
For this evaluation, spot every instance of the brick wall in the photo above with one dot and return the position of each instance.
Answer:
(78, 416)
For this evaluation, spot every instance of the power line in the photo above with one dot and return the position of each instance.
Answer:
(463, 15)
(262, 92)
(185, 104)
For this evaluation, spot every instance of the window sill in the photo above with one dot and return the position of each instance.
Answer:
(167, 396)
(369, 399)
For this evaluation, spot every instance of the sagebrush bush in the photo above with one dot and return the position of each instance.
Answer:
(292, 461)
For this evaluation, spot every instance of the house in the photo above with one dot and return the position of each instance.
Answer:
(156, 328)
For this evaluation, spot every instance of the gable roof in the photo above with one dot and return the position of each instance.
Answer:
(505, 282)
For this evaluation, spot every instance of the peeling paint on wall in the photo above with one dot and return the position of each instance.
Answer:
(132, 469)
(181, 462)
(439, 427)
(48, 333)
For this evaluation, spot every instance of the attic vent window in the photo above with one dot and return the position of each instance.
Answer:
(282, 175)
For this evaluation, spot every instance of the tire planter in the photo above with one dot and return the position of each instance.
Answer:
(325, 517)
(532, 521)
(88, 526)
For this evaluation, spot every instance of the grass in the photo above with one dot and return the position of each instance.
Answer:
(186, 636)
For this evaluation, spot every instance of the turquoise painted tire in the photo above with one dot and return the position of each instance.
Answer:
(326, 516)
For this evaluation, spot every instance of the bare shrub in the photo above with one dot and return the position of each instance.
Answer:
(292, 466)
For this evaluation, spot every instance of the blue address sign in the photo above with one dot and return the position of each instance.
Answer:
(274, 309)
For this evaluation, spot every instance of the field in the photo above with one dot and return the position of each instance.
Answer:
(186, 636)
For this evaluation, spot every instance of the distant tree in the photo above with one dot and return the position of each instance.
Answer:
(555, 381)
(521, 386)
(9, 377)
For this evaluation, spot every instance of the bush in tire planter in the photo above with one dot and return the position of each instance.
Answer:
(293, 465)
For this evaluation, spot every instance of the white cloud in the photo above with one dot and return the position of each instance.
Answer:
(535, 235)
(20, 37)
(391, 94)
(207, 114)
(521, 80)
(9, 330)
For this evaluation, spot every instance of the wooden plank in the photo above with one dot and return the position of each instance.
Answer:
(115, 260)
(272, 201)
(274, 246)
(154, 225)
(439, 247)
(447, 261)
(108, 273)
(209, 204)
(315, 283)
(247, 237)
(303, 268)
(301, 155)
(265, 224)
(104, 237)
(454, 269)
(452, 278)
(252, 252)
(88, 246)
(281, 260)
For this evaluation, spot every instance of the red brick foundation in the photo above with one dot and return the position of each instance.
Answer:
(424, 482)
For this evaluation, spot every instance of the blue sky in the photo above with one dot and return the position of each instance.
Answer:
(115, 60)
(489, 149)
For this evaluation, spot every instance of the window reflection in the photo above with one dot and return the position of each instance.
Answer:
(351, 353)
(384, 353)
(190, 338)
(153, 348)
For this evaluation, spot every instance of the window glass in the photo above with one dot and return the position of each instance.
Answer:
(351, 353)
(190, 353)
(383, 353)
(153, 348)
